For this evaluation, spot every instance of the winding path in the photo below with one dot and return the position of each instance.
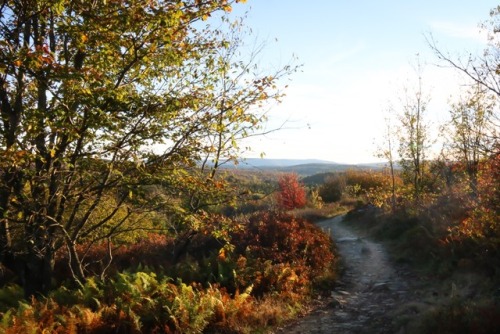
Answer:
(372, 296)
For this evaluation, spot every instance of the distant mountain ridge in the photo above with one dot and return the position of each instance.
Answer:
(263, 162)
(303, 167)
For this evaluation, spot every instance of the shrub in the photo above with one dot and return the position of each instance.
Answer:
(275, 257)
(292, 193)
(315, 199)
(282, 253)
(333, 188)
(474, 231)
(362, 181)
(463, 317)
(153, 251)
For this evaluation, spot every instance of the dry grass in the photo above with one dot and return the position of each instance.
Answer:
(329, 210)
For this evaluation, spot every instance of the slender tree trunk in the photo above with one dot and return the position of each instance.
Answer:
(5, 193)
(393, 180)
(75, 265)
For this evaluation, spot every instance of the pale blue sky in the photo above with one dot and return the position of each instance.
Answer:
(356, 57)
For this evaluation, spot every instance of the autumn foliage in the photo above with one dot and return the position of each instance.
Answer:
(214, 288)
(292, 193)
(478, 229)
(286, 253)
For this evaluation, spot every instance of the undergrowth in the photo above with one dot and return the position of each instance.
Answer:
(463, 317)
(263, 277)
(451, 238)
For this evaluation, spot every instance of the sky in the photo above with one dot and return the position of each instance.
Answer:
(357, 56)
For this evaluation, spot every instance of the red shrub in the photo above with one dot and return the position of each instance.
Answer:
(292, 193)
(284, 252)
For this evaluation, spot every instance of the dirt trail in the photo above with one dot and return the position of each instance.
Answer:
(373, 295)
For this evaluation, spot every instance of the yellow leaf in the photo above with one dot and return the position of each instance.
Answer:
(52, 153)
(222, 255)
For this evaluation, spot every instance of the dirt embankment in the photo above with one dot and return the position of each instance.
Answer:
(373, 295)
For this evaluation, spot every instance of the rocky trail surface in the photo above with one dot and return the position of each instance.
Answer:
(372, 296)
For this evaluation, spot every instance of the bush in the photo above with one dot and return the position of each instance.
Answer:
(473, 221)
(273, 256)
(153, 251)
(333, 188)
(362, 181)
(463, 317)
(292, 193)
(282, 253)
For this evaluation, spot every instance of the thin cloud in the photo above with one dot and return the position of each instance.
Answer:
(346, 54)
(456, 30)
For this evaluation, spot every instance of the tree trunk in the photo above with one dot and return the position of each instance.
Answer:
(182, 247)
(393, 181)
(11, 186)
(75, 265)
(38, 274)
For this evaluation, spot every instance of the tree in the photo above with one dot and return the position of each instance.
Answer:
(481, 70)
(291, 193)
(386, 152)
(98, 100)
(469, 131)
(239, 87)
(414, 141)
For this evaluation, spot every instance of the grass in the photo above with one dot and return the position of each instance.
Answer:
(327, 211)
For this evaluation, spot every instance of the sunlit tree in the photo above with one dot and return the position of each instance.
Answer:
(482, 70)
(470, 131)
(414, 140)
(291, 194)
(99, 99)
(386, 151)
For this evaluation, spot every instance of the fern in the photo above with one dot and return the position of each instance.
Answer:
(9, 296)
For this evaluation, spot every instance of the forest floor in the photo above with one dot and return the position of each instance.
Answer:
(373, 294)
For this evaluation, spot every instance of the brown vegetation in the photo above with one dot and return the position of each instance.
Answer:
(273, 260)
(452, 233)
